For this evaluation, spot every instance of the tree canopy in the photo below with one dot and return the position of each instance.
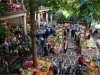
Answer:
(54, 4)
(85, 9)
(81, 9)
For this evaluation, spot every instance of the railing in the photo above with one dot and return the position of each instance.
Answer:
(11, 9)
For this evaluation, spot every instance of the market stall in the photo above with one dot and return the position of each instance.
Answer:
(57, 41)
(92, 66)
(89, 48)
(42, 69)
(90, 51)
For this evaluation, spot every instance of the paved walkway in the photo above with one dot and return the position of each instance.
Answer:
(70, 57)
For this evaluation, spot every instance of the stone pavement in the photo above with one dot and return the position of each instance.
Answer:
(70, 57)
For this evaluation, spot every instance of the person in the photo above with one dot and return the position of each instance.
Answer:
(42, 42)
(77, 39)
(20, 54)
(55, 69)
(98, 43)
(68, 71)
(6, 46)
(5, 66)
(68, 30)
(10, 46)
(65, 46)
(73, 33)
(45, 51)
(61, 66)
(78, 70)
(65, 33)
(14, 40)
(81, 60)
(90, 31)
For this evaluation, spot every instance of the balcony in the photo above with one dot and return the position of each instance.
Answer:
(12, 8)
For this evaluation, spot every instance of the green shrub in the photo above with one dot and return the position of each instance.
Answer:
(2, 34)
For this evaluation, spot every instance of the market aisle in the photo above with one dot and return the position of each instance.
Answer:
(70, 57)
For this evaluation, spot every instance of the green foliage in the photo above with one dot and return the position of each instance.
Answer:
(59, 15)
(54, 4)
(2, 31)
(3, 8)
(2, 34)
(89, 10)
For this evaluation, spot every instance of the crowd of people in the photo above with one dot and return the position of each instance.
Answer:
(11, 44)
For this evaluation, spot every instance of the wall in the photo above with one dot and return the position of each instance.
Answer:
(16, 20)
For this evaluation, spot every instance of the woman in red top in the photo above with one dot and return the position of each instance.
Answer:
(90, 31)
(81, 60)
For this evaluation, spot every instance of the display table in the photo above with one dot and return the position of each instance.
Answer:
(43, 68)
(56, 44)
(93, 66)
(89, 48)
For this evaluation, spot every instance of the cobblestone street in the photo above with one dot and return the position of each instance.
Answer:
(70, 57)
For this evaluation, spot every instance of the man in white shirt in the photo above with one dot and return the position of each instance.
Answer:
(98, 43)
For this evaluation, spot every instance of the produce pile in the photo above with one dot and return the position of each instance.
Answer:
(42, 69)
(93, 66)
(89, 44)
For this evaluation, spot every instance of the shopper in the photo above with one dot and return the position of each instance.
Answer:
(5, 66)
(98, 43)
(45, 51)
(55, 69)
(65, 33)
(68, 71)
(20, 54)
(65, 45)
(14, 41)
(6, 46)
(73, 33)
(61, 67)
(81, 60)
(78, 70)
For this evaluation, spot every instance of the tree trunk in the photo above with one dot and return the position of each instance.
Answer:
(33, 31)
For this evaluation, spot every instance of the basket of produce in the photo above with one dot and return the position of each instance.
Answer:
(44, 68)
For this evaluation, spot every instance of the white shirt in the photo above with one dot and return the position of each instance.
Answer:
(5, 43)
(14, 39)
(98, 41)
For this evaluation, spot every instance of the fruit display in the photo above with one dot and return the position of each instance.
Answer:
(89, 44)
(44, 68)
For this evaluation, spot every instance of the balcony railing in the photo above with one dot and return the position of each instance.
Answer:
(12, 8)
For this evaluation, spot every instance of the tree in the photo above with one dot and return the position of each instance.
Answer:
(33, 6)
(33, 31)
(2, 34)
(86, 9)
(82, 9)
